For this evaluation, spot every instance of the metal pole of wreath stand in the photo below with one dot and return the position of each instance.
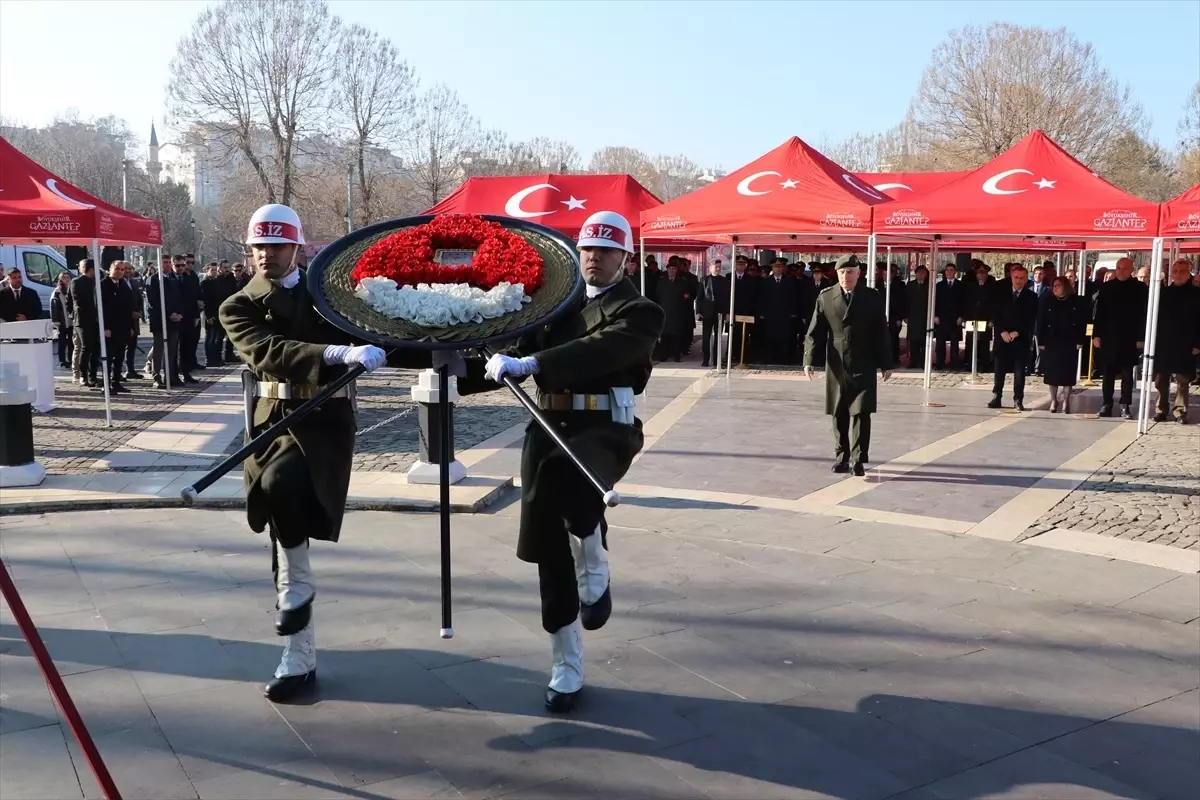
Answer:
(55, 682)
(445, 448)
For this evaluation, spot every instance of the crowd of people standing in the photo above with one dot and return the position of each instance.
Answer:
(189, 298)
(1023, 322)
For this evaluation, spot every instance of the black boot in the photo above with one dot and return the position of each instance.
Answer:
(281, 690)
(841, 467)
(1126, 411)
(859, 469)
(1105, 410)
(559, 703)
(995, 402)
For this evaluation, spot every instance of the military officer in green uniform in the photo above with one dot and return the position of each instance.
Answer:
(850, 319)
(588, 366)
(297, 486)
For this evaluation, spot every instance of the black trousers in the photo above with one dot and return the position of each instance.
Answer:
(709, 334)
(115, 348)
(1011, 357)
(214, 341)
(916, 348)
(171, 354)
(939, 355)
(130, 351)
(66, 345)
(670, 345)
(89, 361)
(894, 335)
(852, 436)
(189, 340)
(1108, 383)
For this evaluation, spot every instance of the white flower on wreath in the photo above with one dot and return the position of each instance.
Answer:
(441, 304)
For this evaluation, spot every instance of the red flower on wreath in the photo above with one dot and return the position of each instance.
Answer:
(407, 255)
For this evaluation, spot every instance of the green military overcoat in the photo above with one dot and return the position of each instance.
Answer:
(282, 338)
(607, 343)
(857, 346)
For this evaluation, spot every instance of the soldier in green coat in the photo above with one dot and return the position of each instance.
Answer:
(588, 366)
(850, 318)
(297, 487)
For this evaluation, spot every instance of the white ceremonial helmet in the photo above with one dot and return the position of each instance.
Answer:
(606, 229)
(275, 224)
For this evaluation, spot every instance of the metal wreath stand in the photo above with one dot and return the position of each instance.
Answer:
(333, 297)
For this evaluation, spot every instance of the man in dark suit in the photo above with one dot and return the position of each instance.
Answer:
(745, 303)
(1117, 334)
(712, 302)
(850, 317)
(778, 307)
(947, 319)
(896, 301)
(675, 297)
(116, 298)
(979, 295)
(917, 316)
(18, 303)
(87, 320)
(1015, 315)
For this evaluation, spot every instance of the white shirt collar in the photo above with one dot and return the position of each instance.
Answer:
(288, 281)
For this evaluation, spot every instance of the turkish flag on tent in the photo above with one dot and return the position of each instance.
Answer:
(792, 190)
(38, 206)
(562, 202)
(1181, 216)
(900, 185)
(1033, 189)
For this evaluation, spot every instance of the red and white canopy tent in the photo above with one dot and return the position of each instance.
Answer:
(38, 207)
(1033, 192)
(790, 196)
(561, 202)
(1180, 218)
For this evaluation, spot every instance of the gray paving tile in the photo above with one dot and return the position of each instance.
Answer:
(1177, 600)
(1033, 773)
(305, 779)
(108, 699)
(173, 662)
(37, 765)
(1164, 775)
(220, 730)
(481, 633)
(27, 701)
(422, 786)
(475, 755)
(141, 763)
(79, 642)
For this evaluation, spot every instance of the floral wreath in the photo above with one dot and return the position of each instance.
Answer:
(398, 277)
(406, 256)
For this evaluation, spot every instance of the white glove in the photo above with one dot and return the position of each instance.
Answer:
(498, 366)
(368, 355)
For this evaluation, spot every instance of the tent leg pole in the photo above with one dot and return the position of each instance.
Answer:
(871, 261)
(642, 265)
(933, 254)
(103, 342)
(162, 306)
(732, 290)
(1144, 404)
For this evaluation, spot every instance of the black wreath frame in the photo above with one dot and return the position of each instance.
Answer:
(332, 291)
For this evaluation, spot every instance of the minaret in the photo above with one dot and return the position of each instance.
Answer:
(153, 167)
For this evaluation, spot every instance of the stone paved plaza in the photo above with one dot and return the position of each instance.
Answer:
(944, 628)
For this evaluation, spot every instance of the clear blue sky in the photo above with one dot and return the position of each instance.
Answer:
(718, 82)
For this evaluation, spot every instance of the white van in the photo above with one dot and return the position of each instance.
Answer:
(40, 267)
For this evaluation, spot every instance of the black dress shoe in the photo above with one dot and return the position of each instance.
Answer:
(1160, 417)
(1018, 405)
(594, 616)
(1126, 412)
(995, 403)
(560, 703)
(281, 690)
(1182, 419)
(859, 469)
(841, 467)
(189, 379)
(293, 621)
(1105, 411)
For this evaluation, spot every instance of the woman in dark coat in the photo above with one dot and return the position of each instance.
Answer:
(1061, 333)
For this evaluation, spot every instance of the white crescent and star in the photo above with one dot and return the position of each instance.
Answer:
(992, 184)
(52, 185)
(513, 207)
(884, 187)
(743, 188)
(857, 185)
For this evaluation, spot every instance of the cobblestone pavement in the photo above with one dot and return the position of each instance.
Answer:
(69, 439)
(1148, 493)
